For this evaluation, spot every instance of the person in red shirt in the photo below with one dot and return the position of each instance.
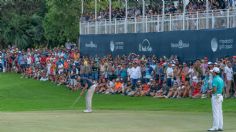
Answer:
(72, 54)
(145, 89)
(66, 65)
(43, 60)
(197, 89)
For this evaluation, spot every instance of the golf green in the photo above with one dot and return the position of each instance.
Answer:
(110, 121)
(28, 105)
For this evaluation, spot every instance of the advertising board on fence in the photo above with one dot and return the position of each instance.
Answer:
(188, 45)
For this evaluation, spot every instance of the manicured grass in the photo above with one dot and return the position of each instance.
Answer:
(110, 121)
(18, 94)
(27, 105)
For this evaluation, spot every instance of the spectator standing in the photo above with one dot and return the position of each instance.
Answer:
(204, 67)
(169, 75)
(148, 72)
(228, 74)
(123, 73)
(3, 62)
(95, 71)
(21, 62)
(102, 68)
(87, 69)
(73, 77)
(82, 70)
(129, 70)
(190, 73)
(135, 74)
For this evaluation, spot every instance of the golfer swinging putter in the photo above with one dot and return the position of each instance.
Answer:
(87, 84)
(216, 100)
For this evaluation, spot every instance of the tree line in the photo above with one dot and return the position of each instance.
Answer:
(35, 23)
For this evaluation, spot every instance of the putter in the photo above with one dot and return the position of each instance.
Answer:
(76, 101)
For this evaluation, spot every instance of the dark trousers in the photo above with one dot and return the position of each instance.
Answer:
(169, 82)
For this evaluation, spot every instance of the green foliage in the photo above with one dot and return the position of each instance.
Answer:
(61, 22)
(21, 22)
(27, 23)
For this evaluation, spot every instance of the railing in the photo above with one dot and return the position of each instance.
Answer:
(214, 19)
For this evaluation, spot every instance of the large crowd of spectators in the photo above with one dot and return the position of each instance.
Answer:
(131, 75)
(152, 10)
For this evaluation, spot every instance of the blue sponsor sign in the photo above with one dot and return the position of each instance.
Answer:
(188, 45)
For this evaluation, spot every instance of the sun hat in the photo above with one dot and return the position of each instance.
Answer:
(216, 70)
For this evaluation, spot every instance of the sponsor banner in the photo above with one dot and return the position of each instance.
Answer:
(180, 45)
(145, 46)
(114, 46)
(91, 45)
(188, 45)
(222, 44)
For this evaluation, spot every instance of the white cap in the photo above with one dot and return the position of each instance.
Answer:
(216, 70)
(194, 77)
(209, 63)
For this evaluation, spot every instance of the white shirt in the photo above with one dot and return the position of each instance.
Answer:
(37, 60)
(110, 84)
(191, 72)
(43, 79)
(129, 71)
(60, 68)
(135, 73)
(229, 73)
(29, 60)
(48, 68)
(169, 72)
